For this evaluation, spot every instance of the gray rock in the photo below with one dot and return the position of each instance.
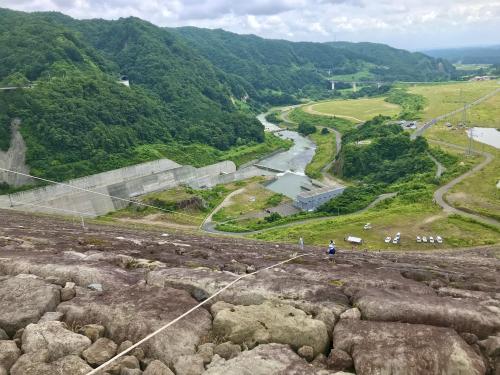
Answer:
(157, 368)
(491, 346)
(51, 316)
(96, 287)
(270, 322)
(227, 350)
(133, 312)
(3, 335)
(339, 360)
(266, 359)
(36, 364)
(92, 331)
(9, 353)
(189, 365)
(306, 352)
(130, 371)
(319, 361)
(469, 338)
(99, 352)
(206, 351)
(396, 348)
(67, 294)
(24, 301)
(71, 364)
(70, 285)
(138, 353)
(353, 313)
(54, 337)
(124, 346)
(3, 371)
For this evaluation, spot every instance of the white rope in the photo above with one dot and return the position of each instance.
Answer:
(98, 193)
(151, 335)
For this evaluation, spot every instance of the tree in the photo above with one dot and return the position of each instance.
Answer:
(306, 128)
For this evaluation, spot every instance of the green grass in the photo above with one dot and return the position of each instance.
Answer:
(340, 124)
(443, 98)
(409, 219)
(325, 153)
(355, 109)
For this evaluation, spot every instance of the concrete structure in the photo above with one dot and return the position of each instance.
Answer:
(312, 199)
(123, 183)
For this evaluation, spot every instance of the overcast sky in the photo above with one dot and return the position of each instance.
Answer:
(409, 24)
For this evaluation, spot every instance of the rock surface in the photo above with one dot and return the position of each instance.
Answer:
(9, 353)
(37, 364)
(54, 337)
(99, 352)
(411, 349)
(157, 368)
(227, 350)
(269, 322)
(189, 365)
(24, 300)
(92, 331)
(206, 351)
(267, 359)
(134, 312)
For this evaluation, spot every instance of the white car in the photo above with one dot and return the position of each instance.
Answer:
(387, 239)
(431, 239)
(367, 226)
(439, 239)
(424, 239)
(395, 240)
(419, 239)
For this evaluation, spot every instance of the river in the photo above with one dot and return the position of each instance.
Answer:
(292, 162)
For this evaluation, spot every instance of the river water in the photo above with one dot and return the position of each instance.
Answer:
(489, 136)
(292, 163)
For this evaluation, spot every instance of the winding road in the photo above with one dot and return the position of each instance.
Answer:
(440, 193)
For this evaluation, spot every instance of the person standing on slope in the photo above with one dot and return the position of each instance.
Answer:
(331, 250)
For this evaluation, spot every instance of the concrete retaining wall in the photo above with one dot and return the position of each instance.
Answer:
(122, 183)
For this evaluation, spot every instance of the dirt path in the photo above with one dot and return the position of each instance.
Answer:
(440, 167)
(207, 224)
(440, 193)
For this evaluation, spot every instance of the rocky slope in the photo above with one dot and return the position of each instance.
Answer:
(71, 299)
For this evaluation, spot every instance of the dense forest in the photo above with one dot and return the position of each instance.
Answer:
(191, 89)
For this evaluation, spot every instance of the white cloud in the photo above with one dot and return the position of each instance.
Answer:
(409, 24)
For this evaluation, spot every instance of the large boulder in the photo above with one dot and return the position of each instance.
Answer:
(268, 359)
(189, 365)
(157, 368)
(37, 364)
(99, 352)
(9, 353)
(23, 300)
(131, 313)
(270, 322)
(55, 338)
(463, 315)
(409, 349)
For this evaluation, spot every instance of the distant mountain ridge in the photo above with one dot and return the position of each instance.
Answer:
(468, 55)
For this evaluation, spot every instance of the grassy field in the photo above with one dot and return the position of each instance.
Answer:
(252, 200)
(325, 152)
(298, 115)
(409, 220)
(355, 109)
(443, 98)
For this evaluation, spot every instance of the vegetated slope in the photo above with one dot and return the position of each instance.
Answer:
(293, 68)
(468, 55)
(78, 120)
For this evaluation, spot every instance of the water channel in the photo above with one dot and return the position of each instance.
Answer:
(489, 136)
(292, 163)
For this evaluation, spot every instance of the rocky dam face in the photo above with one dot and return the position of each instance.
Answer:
(71, 299)
(14, 159)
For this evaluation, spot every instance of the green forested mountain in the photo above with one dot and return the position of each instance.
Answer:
(290, 67)
(188, 87)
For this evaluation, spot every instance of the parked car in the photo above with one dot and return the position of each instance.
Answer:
(431, 239)
(387, 239)
(424, 239)
(439, 239)
(395, 240)
(419, 239)
(367, 226)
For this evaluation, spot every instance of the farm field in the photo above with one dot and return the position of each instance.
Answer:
(443, 98)
(354, 109)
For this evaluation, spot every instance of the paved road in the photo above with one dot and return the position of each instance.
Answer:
(440, 193)
(440, 167)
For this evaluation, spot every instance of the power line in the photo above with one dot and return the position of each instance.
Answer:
(151, 335)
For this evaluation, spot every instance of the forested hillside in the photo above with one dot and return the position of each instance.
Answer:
(293, 68)
(191, 89)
